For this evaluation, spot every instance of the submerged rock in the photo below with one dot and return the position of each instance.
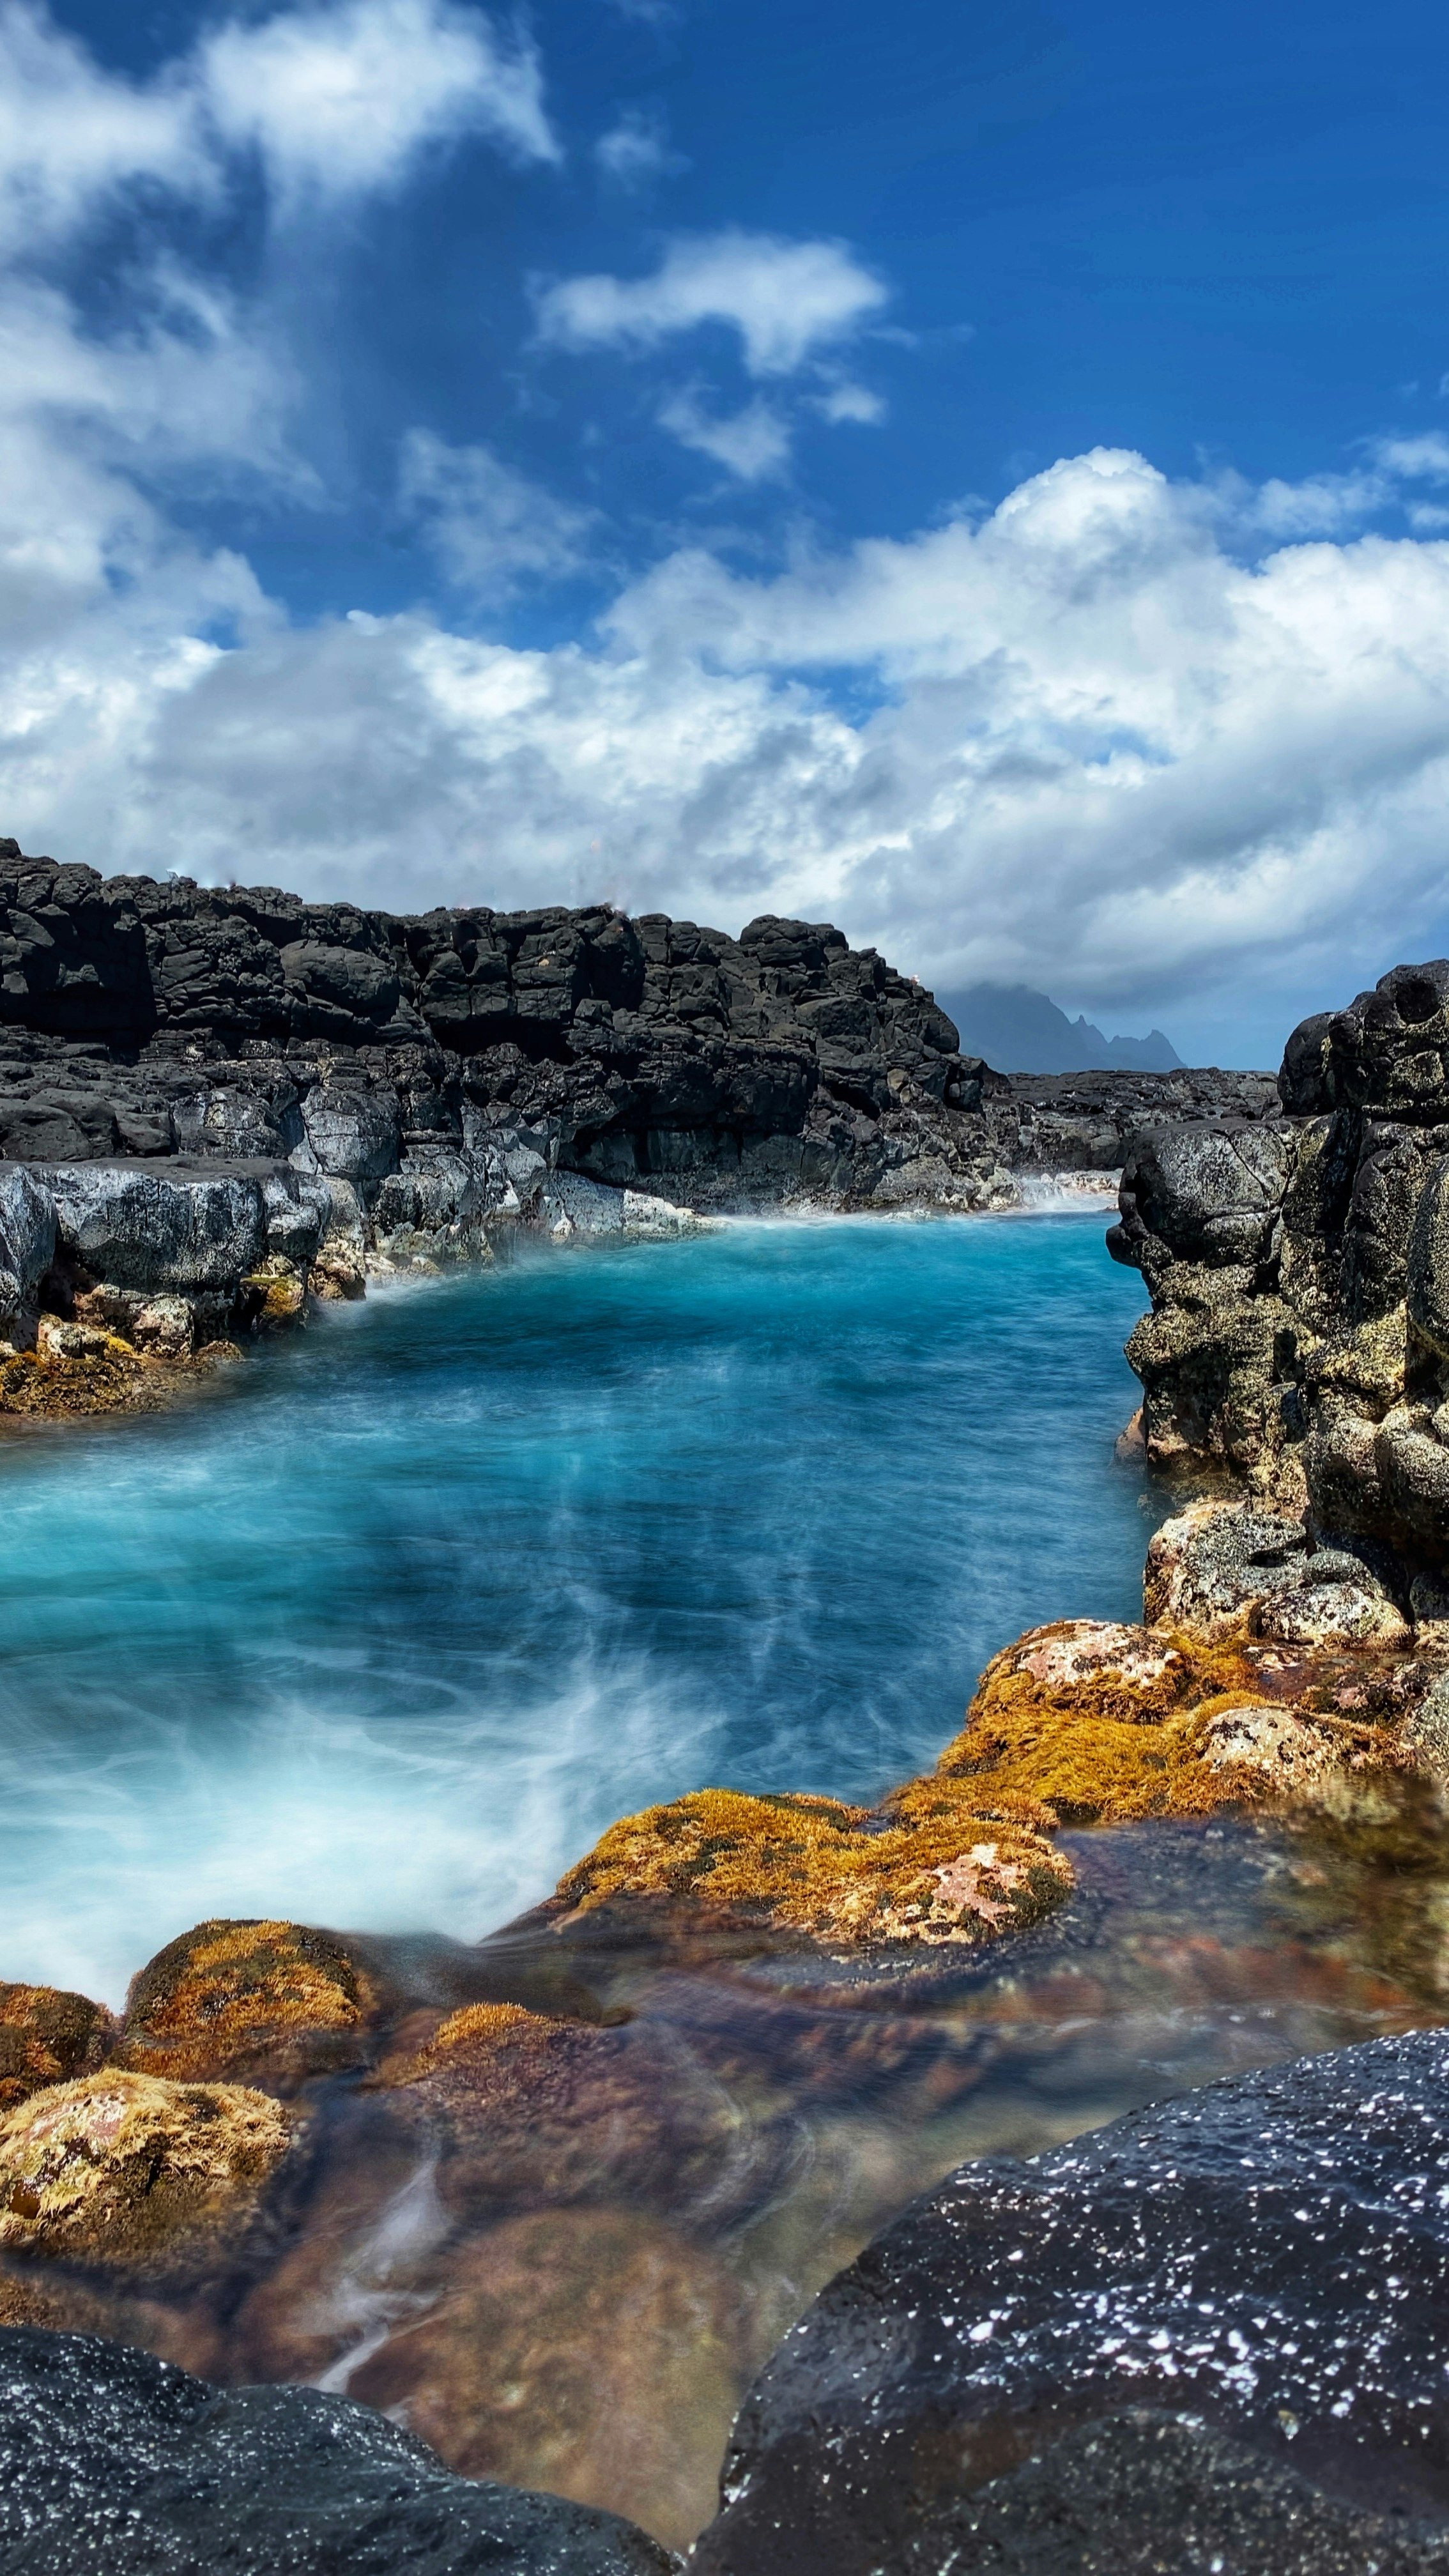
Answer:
(46, 2037)
(127, 2170)
(1269, 2257)
(110, 2459)
(592, 2349)
(252, 2001)
(926, 1868)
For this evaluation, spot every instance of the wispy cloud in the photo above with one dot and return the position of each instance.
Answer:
(490, 528)
(753, 444)
(637, 151)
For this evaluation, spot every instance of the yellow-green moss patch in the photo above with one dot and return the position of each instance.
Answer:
(927, 1868)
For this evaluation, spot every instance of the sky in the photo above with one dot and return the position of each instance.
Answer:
(979, 475)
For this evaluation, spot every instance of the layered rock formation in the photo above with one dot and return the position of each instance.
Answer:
(1298, 1343)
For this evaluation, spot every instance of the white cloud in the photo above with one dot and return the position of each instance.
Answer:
(637, 150)
(340, 100)
(850, 402)
(786, 299)
(1106, 753)
(71, 134)
(490, 528)
(753, 444)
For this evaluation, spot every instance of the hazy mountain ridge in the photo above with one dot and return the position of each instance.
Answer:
(1019, 1030)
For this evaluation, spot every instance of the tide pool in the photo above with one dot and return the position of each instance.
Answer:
(383, 1631)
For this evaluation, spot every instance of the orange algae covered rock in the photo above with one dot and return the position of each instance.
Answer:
(927, 1867)
(1089, 1721)
(46, 2037)
(130, 2170)
(268, 2001)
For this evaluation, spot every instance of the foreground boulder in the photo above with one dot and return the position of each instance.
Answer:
(250, 2001)
(134, 2173)
(1268, 2258)
(47, 2036)
(110, 2459)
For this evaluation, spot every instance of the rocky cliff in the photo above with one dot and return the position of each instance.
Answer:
(217, 1103)
(1298, 1342)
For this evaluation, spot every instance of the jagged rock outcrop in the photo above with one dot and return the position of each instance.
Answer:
(1248, 2286)
(108, 2458)
(1299, 1273)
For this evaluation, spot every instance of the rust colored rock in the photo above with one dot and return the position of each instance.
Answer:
(46, 2037)
(251, 2000)
(129, 2171)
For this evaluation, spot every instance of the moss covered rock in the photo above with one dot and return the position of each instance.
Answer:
(1093, 1722)
(127, 2170)
(925, 1868)
(47, 2036)
(268, 2002)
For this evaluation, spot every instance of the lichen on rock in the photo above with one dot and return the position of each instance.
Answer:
(1091, 1722)
(129, 2170)
(261, 2000)
(46, 2037)
(927, 1867)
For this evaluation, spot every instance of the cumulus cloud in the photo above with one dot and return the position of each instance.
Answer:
(490, 528)
(752, 444)
(1104, 751)
(786, 299)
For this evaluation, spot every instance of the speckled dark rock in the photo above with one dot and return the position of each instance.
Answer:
(1151, 2494)
(1269, 2256)
(114, 2464)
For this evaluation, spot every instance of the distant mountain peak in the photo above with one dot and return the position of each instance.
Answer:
(1019, 1030)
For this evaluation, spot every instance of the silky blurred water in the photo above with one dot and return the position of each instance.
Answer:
(388, 1627)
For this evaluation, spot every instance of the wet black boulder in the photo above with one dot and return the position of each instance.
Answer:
(114, 2464)
(1264, 2263)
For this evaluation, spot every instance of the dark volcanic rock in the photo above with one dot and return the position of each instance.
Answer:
(1269, 2257)
(1299, 1276)
(111, 2460)
(1149, 2494)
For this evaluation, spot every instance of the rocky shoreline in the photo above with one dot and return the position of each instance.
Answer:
(221, 1107)
(1212, 2335)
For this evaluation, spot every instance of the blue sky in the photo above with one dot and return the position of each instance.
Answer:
(980, 475)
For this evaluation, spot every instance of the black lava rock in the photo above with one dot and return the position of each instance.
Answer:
(114, 2464)
(1268, 2258)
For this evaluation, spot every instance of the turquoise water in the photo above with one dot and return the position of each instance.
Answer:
(387, 1629)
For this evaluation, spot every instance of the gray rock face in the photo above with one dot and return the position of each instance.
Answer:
(110, 2459)
(1299, 1276)
(1268, 2257)
(146, 1229)
(27, 1244)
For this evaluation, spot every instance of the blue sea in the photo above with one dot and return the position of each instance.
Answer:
(383, 1631)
